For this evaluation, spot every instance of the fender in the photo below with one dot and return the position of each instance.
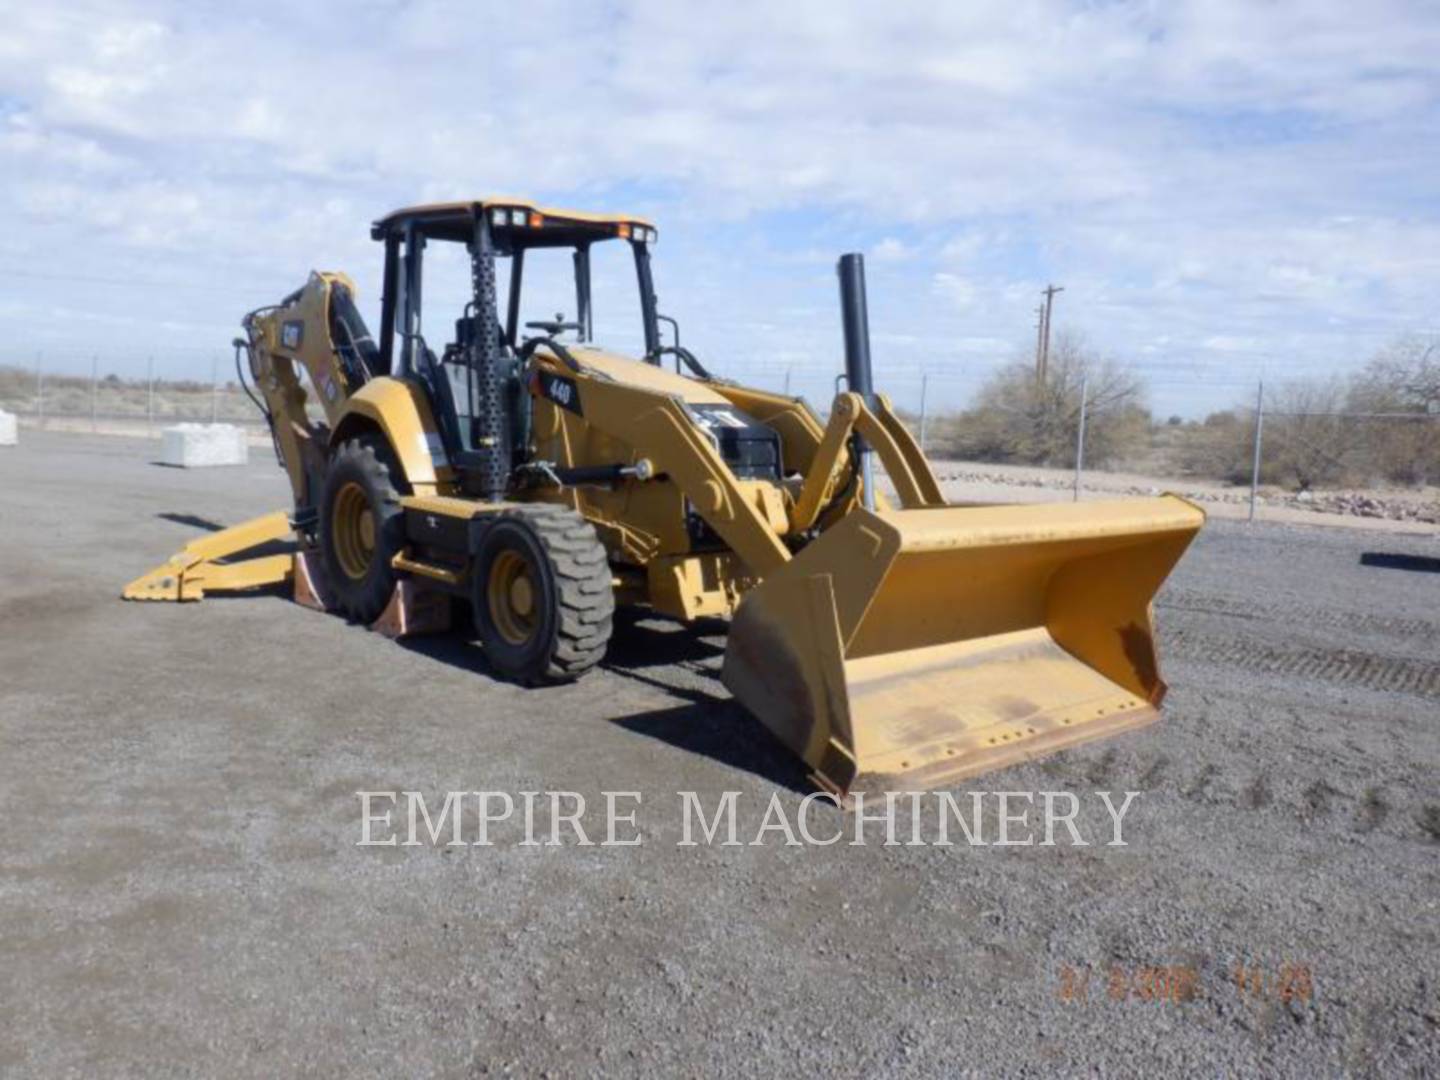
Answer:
(399, 410)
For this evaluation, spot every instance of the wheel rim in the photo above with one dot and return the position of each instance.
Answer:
(352, 525)
(511, 592)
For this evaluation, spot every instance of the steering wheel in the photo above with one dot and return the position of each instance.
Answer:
(554, 326)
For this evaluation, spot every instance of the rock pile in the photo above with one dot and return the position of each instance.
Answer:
(1390, 507)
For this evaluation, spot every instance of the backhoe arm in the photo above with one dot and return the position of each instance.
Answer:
(311, 327)
(316, 327)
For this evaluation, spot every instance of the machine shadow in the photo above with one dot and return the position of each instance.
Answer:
(640, 641)
(643, 639)
(724, 732)
(272, 547)
(193, 520)
(711, 723)
(1387, 560)
(708, 722)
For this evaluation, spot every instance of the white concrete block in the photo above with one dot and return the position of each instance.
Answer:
(195, 446)
(9, 433)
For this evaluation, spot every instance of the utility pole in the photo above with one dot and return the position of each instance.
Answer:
(1039, 343)
(94, 390)
(149, 395)
(40, 388)
(924, 385)
(1259, 431)
(1044, 363)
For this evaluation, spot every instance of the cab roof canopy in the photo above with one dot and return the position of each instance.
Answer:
(524, 223)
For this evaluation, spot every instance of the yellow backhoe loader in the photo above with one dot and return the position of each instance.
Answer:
(887, 641)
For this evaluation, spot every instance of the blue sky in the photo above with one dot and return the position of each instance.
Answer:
(1224, 189)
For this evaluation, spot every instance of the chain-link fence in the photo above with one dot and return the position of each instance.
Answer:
(1087, 431)
(59, 393)
(1084, 431)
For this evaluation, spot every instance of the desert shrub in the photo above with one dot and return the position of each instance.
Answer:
(1018, 418)
(1403, 379)
(1380, 425)
(1219, 447)
(1307, 442)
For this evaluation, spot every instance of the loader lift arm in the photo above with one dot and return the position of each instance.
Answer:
(907, 468)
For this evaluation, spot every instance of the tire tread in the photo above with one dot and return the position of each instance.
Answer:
(586, 596)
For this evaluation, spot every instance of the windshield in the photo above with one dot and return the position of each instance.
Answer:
(574, 284)
(549, 286)
(592, 291)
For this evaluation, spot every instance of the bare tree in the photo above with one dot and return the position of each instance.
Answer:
(1403, 377)
(1380, 424)
(1308, 442)
(1019, 418)
(1402, 380)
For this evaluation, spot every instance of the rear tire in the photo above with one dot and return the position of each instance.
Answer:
(361, 526)
(543, 594)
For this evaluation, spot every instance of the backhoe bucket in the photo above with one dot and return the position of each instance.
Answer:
(911, 648)
(210, 564)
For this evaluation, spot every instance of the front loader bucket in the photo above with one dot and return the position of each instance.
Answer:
(911, 648)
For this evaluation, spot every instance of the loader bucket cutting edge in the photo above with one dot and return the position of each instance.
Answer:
(913, 648)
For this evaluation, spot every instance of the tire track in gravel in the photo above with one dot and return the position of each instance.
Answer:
(1348, 667)
(1394, 805)
(1365, 622)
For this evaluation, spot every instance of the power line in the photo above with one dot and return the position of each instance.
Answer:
(89, 279)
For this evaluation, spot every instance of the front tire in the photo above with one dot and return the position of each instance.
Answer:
(361, 526)
(543, 594)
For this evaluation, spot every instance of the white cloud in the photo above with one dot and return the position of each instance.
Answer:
(954, 289)
(1208, 170)
(891, 250)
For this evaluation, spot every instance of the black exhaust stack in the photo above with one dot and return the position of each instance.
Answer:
(859, 377)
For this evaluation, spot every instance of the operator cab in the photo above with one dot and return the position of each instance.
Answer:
(480, 404)
(498, 234)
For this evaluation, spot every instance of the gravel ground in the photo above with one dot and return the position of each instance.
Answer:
(181, 891)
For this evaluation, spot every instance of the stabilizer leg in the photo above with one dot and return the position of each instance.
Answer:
(413, 610)
(210, 565)
(312, 587)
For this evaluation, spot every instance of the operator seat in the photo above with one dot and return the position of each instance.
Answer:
(359, 355)
(461, 380)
